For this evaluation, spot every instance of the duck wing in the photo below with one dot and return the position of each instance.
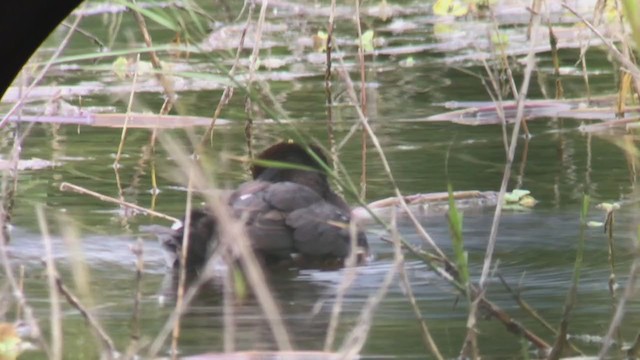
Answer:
(264, 207)
(320, 230)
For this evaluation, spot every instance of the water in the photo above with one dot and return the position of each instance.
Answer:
(535, 249)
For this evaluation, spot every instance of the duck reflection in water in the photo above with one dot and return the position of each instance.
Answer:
(290, 213)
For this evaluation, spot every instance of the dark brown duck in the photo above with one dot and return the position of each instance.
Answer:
(287, 213)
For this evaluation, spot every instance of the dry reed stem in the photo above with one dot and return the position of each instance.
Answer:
(175, 335)
(21, 288)
(65, 186)
(535, 22)
(448, 273)
(511, 325)
(570, 301)
(630, 66)
(38, 78)
(634, 349)
(55, 318)
(512, 148)
(17, 285)
(116, 163)
(628, 294)
(227, 93)
(134, 342)
(608, 228)
(228, 312)
(585, 73)
(18, 294)
(502, 56)
(363, 103)
(79, 269)
(524, 305)
(327, 89)
(97, 330)
(166, 84)
(497, 100)
(523, 163)
(374, 140)
(626, 47)
(253, 66)
(426, 334)
(347, 280)
(357, 337)
(166, 330)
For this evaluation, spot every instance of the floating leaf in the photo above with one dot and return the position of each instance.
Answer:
(515, 195)
(443, 29)
(450, 8)
(320, 41)
(518, 199)
(367, 41)
(528, 201)
(408, 62)
(120, 67)
(608, 207)
(500, 40)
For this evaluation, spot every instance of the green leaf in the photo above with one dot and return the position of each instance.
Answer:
(320, 41)
(515, 195)
(450, 8)
(165, 21)
(455, 227)
(367, 41)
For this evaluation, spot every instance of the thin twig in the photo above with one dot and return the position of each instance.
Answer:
(36, 331)
(175, 335)
(387, 168)
(166, 84)
(512, 148)
(229, 312)
(363, 104)
(65, 186)
(347, 280)
(116, 163)
(426, 334)
(570, 301)
(629, 291)
(253, 67)
(327, 89)
(497, 100)
(166, 330)
(524, 305)
(97, 329)
(54, 299)
(134, 344)
(630, 66)
(227, 93)
(357, 337)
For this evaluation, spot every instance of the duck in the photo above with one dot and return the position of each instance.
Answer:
(290, 214)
